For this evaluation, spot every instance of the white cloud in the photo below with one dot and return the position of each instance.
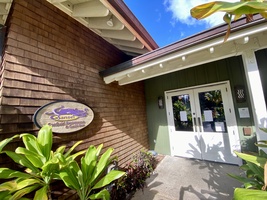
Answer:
(181, 12)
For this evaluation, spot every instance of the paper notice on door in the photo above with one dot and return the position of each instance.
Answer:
(219, 127)
(183, 116)
(208, 116)
(243, 113)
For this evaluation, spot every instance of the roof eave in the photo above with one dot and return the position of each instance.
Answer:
(196, 39)
(202, 48)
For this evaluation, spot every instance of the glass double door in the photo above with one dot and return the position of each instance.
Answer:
(201, 124)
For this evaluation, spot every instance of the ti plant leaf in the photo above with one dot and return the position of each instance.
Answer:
(258, 160)
(233, 10)
(242, 194)
(45, 140)
(4, 142)
(90, 178)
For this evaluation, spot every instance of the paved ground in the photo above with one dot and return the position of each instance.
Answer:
(188, 179)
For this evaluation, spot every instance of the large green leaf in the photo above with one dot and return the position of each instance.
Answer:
(68, 180)
(22, 160)
(32, 156)
(8, 186)
(107, 179)
(262, 143)
(98, 150)
(24, 191)
(80, 179)
(88, 163)
(69, 175)
(50, 168)
(28, 182)
(18, 184)
(240, 178)
(247, 194)
(60, 149)
(6, 173)
(234, 8)
(5, 195)
(103, 194)
(101, 165)
(260, 161)
(248, 182)
(4, 142)
(256, 171)
(41, 194)
(91, 154)
(88, 170)
(30, 142)
(45, 140)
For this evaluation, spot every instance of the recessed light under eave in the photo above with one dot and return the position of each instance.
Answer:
(110, 21)
(211, 49)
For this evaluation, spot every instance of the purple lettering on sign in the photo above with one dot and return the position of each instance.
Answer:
(67, 114)
(64, 116)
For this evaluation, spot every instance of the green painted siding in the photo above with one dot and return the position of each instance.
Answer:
(228, 69)
(262, 64)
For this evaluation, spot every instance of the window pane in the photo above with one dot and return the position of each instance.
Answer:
(212, 112)
(182, 113)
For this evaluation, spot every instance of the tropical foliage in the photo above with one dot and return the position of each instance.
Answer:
(255, 182)
(137, 171)
(233, 10)
(42, 166)
(90, 177)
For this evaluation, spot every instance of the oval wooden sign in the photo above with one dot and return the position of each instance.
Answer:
(64, 116)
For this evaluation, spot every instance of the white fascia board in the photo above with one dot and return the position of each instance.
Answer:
(200, 47)
(123, 81)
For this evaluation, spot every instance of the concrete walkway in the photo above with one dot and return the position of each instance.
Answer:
(188, 179)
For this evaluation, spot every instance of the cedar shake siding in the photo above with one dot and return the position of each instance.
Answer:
(49, 56)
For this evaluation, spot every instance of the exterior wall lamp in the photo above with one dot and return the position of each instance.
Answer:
(160, 102)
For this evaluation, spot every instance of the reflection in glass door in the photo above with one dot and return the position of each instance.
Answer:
(182, 114)
(212, 111)
(198, 124)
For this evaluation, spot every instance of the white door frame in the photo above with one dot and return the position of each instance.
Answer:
(233, 134)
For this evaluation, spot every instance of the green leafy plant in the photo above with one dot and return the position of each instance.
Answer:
(233, 10)
(90, 178)
(40, 164)
(255, 181)
(137, 171)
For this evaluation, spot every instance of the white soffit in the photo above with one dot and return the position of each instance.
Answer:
(4, 10)
(95, 14)
(212, 50)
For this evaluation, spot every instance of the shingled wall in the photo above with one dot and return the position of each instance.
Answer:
(49, 56)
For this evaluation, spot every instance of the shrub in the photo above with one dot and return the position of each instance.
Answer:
(137, 171)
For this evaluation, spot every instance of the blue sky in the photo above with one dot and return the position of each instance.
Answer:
(168, 21)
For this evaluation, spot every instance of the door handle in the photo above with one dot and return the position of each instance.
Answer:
(195, 124)
(199, 124)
